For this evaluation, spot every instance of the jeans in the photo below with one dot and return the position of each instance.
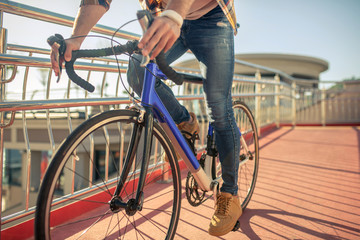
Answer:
(211, 39)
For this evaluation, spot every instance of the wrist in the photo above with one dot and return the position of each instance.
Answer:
(77, 38)
(174, 16)
(74, 42)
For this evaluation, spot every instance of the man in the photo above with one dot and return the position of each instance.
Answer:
(207, 28)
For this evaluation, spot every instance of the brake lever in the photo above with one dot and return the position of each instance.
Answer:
(145, 19)
(57, 43)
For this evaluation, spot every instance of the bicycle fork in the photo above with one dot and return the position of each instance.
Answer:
(135, 204)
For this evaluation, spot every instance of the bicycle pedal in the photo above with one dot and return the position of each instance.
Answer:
(196, 136)
(237, 226)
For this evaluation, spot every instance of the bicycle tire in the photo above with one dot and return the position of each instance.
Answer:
(62, 202)
(248, 169)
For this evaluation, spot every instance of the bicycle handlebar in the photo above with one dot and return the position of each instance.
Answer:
(130, 47)
(88, 53)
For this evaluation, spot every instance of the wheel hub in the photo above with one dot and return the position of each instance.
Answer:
(131, 207)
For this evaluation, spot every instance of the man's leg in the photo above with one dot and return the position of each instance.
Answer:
(211, 39)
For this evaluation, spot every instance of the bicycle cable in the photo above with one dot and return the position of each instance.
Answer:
(131, 95)
(112, 41)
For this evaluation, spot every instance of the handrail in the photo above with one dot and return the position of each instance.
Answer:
(60, 19)
(59, 103)
(21, 48)
(268, 69)
(281, 73)
(11, 59)
(51, 17)
(81, 102)
(237, 77)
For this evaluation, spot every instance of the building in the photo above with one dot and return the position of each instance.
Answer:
(297, 66)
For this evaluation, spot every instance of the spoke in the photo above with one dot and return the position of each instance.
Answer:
(159, 210)
(97, 185)
(96, 169)
(107, 230)
(85, 231)
(136, 231)
(152, 171)
(82, 220)
(118, 225)
(158, 177)
(148, 200)
(133, 224)
(123, 190)
(152, 222)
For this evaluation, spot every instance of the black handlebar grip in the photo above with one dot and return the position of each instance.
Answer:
(129, 47)
(167, 70)
(69, 66)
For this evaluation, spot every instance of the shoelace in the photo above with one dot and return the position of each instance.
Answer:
(223, 205)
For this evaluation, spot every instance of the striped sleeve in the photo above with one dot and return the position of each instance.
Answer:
(104, 3)
(229, 11)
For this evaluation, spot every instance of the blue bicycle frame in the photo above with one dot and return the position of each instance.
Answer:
(150, 98)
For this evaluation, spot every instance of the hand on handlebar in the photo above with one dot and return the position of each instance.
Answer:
(161, 35)
(57, 60)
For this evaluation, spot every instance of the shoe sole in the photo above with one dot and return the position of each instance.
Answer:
(225, 231)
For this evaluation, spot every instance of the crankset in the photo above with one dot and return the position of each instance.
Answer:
(194, 194)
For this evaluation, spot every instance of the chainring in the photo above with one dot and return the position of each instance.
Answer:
(194, 194)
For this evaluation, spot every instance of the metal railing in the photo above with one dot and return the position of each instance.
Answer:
(31, 104)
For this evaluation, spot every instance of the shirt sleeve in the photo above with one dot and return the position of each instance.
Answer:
(104, 3)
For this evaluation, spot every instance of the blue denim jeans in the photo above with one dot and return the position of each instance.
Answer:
(211, 39)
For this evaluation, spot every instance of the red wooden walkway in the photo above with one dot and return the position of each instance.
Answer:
(308, 188)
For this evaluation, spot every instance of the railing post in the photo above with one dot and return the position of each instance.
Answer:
(293, 105)
(323, 107)
(258, 101)
(277, 100)
(3, 43)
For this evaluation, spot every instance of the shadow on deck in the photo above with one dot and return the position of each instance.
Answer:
(307, 188)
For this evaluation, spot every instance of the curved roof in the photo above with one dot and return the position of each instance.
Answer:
(294, 65)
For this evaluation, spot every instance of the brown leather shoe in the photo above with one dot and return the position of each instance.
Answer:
(188, 129)
(227, 211)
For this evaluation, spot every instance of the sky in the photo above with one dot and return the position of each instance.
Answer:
(325, 29)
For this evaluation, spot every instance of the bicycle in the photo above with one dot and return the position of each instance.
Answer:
(81, 196)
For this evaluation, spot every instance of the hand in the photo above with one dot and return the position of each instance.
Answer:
(161, 35)
(56, 60)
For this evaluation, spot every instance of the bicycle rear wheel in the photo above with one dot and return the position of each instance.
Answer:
(74, 197)
(249, 152)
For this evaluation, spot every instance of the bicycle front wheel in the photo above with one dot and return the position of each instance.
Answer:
(249, 152)
(75, 195)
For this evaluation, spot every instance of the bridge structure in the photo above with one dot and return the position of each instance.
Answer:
(309, 147)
